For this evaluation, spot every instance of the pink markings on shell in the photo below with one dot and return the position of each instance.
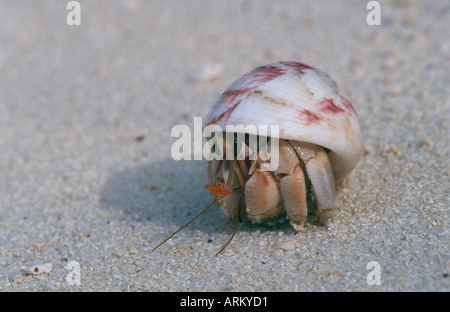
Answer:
(296, 65)
(231, 96)
(328, 106)
(246, 85)
(308, 117)
(264, 74)
(226, 114)
(347, 104)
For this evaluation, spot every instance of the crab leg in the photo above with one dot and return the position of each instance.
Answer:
(292, 185)
(320, 174)
(293, 191)
(262, 197)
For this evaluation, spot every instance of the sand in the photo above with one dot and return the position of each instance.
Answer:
(87, 182)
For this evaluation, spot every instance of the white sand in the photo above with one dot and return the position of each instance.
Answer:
(76, 185)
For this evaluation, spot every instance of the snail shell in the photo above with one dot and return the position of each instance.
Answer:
(37, 268)
(306, 103)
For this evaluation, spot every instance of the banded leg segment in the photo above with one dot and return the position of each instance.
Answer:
(321, 176)
(262, 197)
(293, 192)
(292, 185)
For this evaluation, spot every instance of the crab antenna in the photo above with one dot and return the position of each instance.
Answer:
(235, 229)
(202, 212)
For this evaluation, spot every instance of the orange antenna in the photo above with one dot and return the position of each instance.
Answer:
(217, 190)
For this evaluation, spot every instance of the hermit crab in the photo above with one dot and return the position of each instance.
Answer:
(319, 143)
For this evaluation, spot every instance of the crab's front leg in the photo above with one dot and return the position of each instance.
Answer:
(321, 176)
(292, 185)
(262, 197)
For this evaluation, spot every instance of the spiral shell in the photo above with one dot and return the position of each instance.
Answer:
(306, 103)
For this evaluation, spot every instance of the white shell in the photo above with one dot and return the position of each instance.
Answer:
(37, 268)
(306, 103)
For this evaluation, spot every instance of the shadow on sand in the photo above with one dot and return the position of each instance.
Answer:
(170, 192)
